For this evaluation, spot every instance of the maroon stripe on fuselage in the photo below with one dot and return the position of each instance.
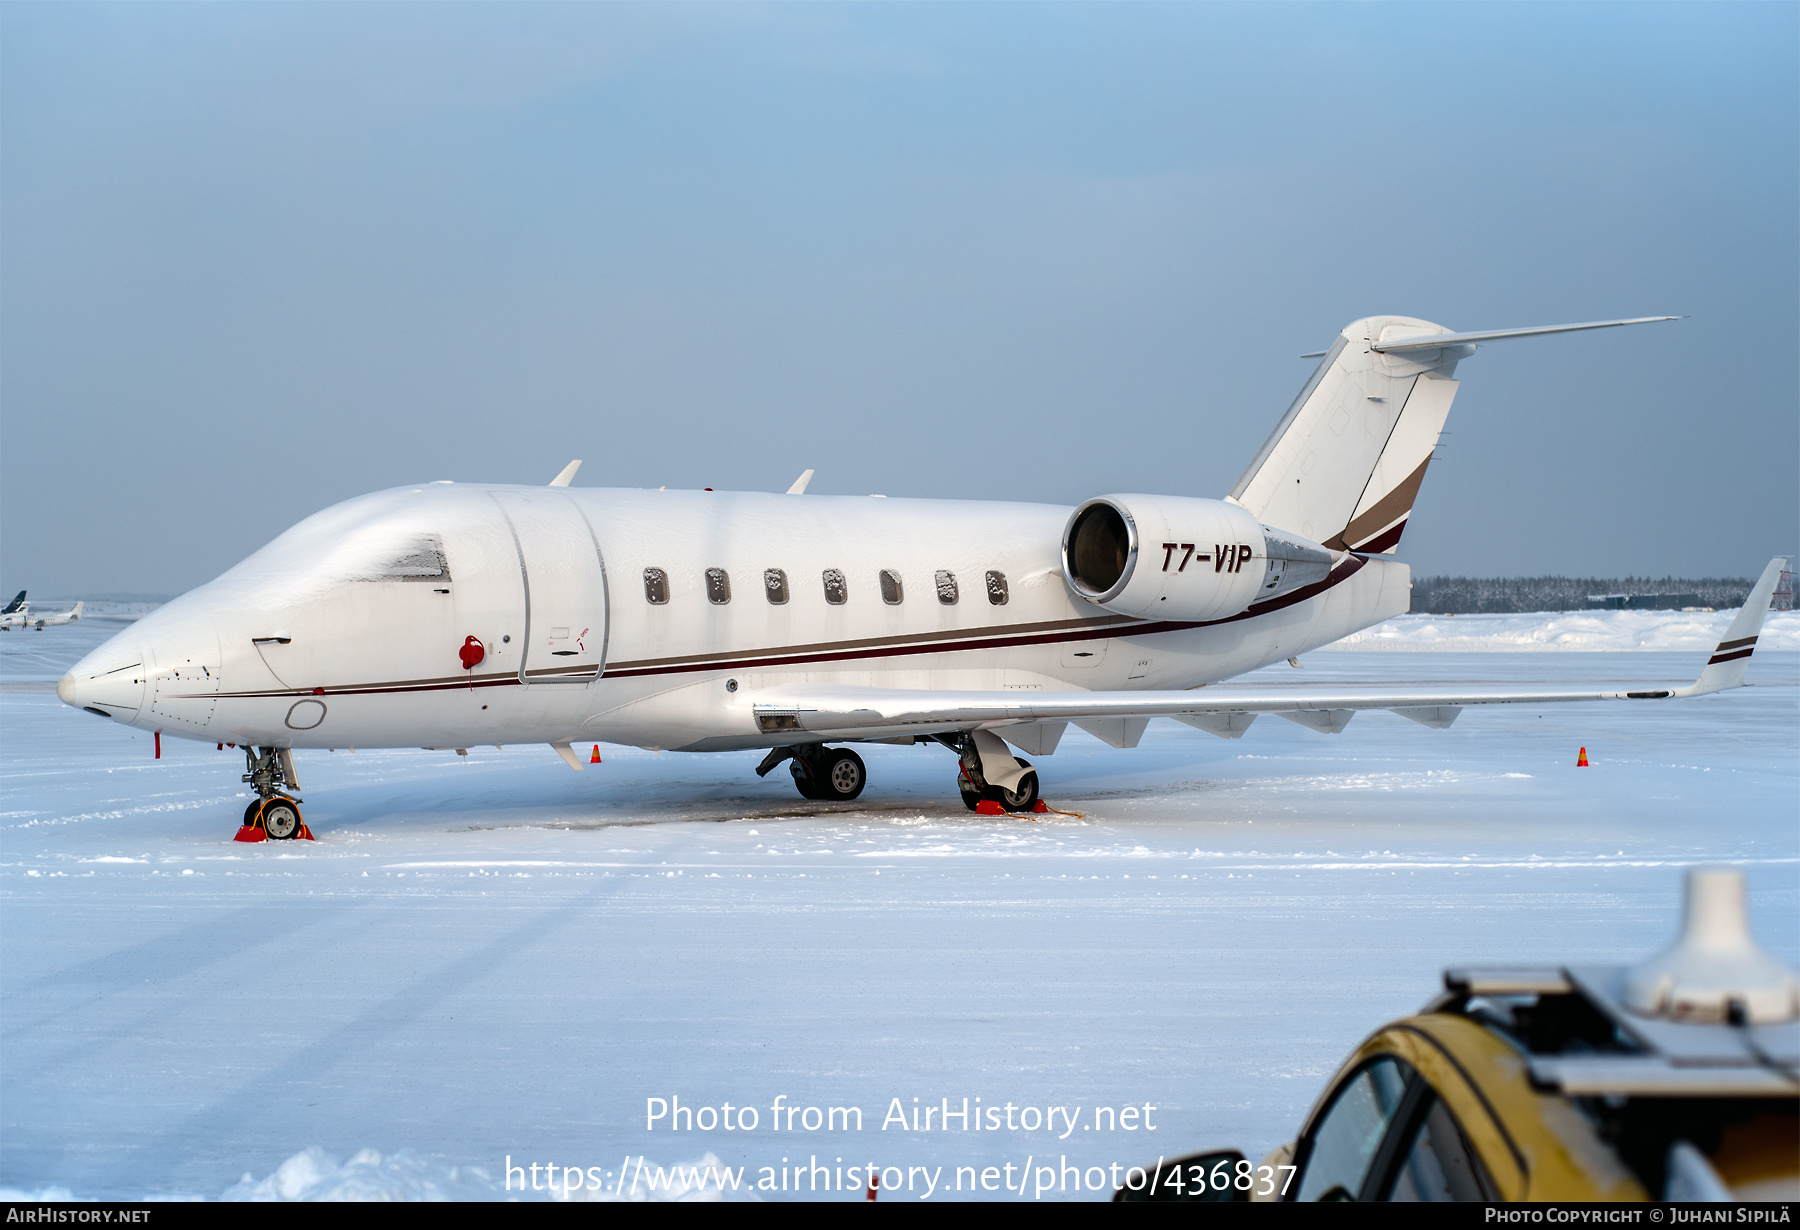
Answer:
(849, 653)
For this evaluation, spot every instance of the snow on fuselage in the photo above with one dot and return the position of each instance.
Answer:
(450, 615)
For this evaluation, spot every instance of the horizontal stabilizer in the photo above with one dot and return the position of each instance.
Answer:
(1435, 341)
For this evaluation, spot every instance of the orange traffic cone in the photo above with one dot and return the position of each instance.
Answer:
(595, 758)
(1581, 761)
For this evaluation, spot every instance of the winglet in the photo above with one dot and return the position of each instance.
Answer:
(563, 749)
(799, 487)
(1725, 669)
(567, 476)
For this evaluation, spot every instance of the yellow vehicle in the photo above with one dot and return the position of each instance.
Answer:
(1675, 1079)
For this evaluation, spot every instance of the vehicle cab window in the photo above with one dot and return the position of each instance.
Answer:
(1341, 1150)
(1439, 1163)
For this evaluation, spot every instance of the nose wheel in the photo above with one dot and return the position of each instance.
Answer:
(272, 815)
(275, 819)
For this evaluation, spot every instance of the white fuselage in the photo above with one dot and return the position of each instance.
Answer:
(346, 631)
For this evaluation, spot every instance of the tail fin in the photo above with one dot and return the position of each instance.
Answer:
(1345, 463)
(14, 605)
(1725, 669)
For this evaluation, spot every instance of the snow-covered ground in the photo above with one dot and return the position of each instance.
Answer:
(493, 957)
(1583, 631)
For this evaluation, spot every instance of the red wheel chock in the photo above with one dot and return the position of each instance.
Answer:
(254, 831)
(987, 807)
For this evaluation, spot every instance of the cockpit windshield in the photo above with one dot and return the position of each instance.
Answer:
(421, 559)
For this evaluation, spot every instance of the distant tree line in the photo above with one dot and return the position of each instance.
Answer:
(1510, 595)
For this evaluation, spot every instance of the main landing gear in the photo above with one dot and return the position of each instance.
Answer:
(272, 815)
(834, 774)
(975, 788)
(837, 774)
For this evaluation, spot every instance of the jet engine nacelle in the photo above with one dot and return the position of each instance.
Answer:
(1169, 557)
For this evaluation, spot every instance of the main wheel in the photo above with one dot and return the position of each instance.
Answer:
(804, 781)
(1022, 798)
(971, 797)
(841, 775)
(281, 819)
(250, 812)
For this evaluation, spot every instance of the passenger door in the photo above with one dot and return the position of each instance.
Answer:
(564, 581)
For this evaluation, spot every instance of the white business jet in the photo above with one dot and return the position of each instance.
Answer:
(447, 614)
(17, 614)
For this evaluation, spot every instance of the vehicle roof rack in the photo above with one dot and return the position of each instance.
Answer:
(1591, 1030)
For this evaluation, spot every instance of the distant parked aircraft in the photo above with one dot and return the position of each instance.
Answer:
(18, 615)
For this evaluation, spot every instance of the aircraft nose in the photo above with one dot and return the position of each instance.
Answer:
(108, 682)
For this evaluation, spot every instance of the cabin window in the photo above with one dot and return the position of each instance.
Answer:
(891, 591)
(656, 586)
(946, 588)
(996, 588)
(775, 586)
(718, 586)
(835, 591)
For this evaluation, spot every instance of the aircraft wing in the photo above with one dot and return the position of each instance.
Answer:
(836, 711)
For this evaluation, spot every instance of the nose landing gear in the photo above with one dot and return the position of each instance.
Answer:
(272, 815)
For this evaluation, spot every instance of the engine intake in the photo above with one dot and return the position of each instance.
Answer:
(1170, 557)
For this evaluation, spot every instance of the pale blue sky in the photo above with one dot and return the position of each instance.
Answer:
(259, 258)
